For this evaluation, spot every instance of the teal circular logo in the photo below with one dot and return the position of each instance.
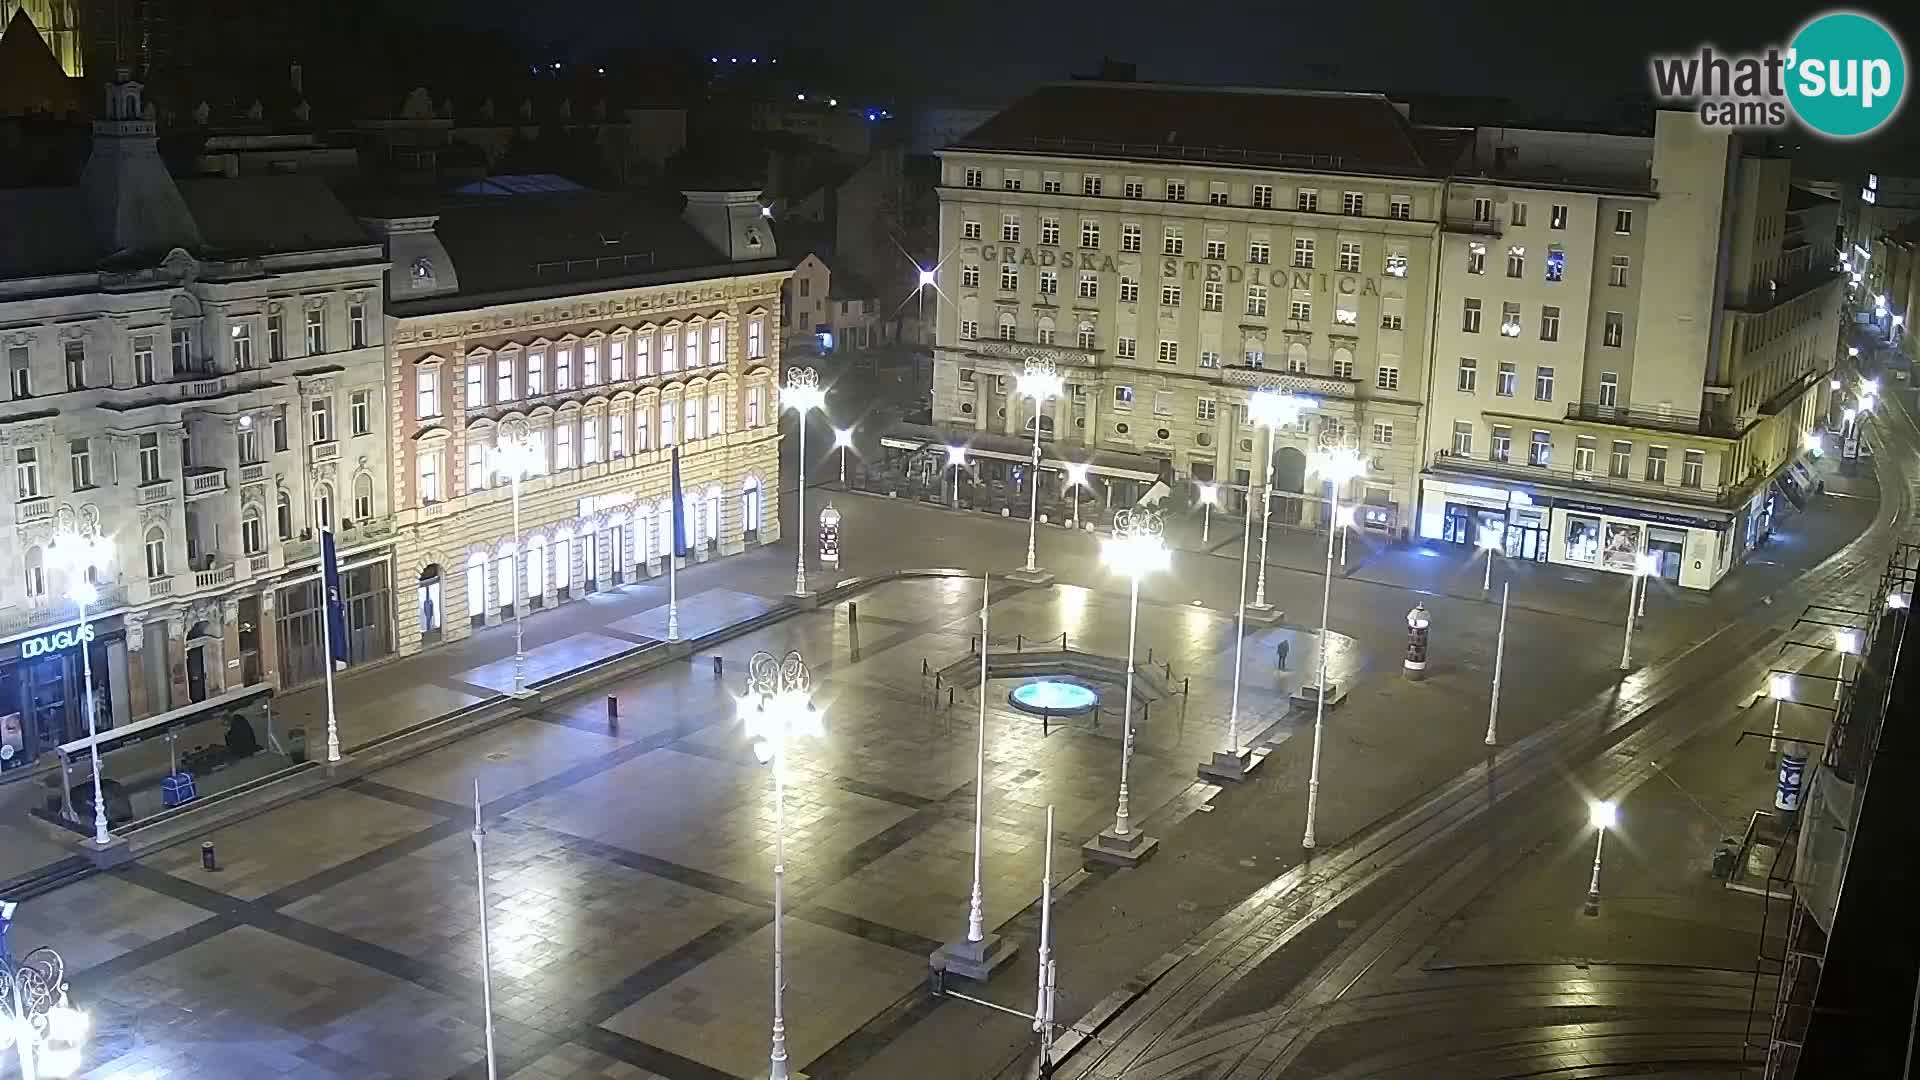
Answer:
(1847, 74)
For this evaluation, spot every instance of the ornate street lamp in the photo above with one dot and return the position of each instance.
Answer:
(1039, 382)
(1135, 549)
(79, 555)
(802, 394)
(1338, 464)
(517, 456)
(842, 440)
(1209, 495)
(1644, 565)
(1076, 479)
(777, 707)
(36, 1018)
(1602, 816)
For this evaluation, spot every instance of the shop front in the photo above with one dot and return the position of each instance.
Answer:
(1463, 514)
(43, 689)
(1688, 551)
(366, 591)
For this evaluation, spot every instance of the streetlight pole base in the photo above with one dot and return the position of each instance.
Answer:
(114, 852)
(1227, 768)
(1592, 906)
(1264, 614)
(1036, 576)
(975, 960)
(1113, 849)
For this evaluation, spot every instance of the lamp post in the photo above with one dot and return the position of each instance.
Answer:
(956, 460)
(1270, 409)
(486, 937)
(1346, 518)
(1602, 815)
(1499, 660)
(35, 1015)
(1848, 642)
(1780, 689)
(1135, 549)
(518, 457)
(1339, 465)
(1643, 564)
(1490, 543)
(842, 440)
(802, 394)
(78, 556)
(1232, 765)
(1040, 381)
(976, 955)
(1076, 479)
(1209, 494)
(777, 707)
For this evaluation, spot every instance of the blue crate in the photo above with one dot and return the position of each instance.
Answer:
(177, 788)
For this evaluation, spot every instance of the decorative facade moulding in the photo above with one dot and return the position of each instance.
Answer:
(1350, 341)
(1298, 337)
(323, 385)
(1312, 385)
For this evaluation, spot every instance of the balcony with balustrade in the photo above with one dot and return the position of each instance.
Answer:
(203, 480)
(35, 509)
(1645, 418)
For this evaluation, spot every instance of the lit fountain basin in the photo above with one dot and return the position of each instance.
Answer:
(1054, 697)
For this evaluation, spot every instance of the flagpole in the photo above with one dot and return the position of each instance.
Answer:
(673, 592)
(676, 519)
(326, 650)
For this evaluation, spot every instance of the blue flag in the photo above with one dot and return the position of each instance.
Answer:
(680, 545)
(336, 611)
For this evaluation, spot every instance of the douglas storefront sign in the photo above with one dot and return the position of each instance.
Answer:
(43, 644)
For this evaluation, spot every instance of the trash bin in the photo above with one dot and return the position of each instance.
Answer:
(297, 745)
(1726, 858)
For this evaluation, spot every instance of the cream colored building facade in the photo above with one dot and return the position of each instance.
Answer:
(1626, 355)
(1170, 282)
(607, 374)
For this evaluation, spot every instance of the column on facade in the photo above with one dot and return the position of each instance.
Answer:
(490, 582)
(229, 661)
(1062, 414)
(177, 655)
(1087, 434)
(267, 633)
(980, 399)
(137, 705)
(549, 594)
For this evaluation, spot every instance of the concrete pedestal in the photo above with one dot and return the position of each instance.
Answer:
(1036, 576)
(1226, 768)
(114, 853)
(1264, 614)
(1130, 850)
(976, 960)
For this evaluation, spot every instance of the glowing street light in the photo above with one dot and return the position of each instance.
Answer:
(80, 557)
(1780, 689)
(1209, 495)
(36, 1018)
(1345, 519)
(1871, 386)
(1076, 479)
(1898, 601)
(1135, 550)
(1491, 543)
(1232, 765)
(518, 456)
(1853, 350)
(1040, 381)
(842, 439)
(1602, 816)
(1848, 644)
(802, 394)
(1338, 466)
(1833, 384)
(778, 707)
(956, 460)
(1270, 409)
(1643, 565)
(926, 277)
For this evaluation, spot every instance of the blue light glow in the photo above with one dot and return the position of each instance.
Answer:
(1054, 696)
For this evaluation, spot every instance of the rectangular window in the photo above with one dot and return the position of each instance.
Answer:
(239, 346)
(26, 472)
(1256, 299)
(1176, 191)
(1213, 297)
(19, 372)
(590, 364)
(316, 331)
(1010, 229)
(1501, 448)
(1209, 359)
(1303, 252)
(1123, 398)
(280, 438)
(1172, 242)
(1216, 250)
(1007, 331)
(1010, 181)
(1517, 212)
(1559, 219)
(1656, 464)
(1090, 185)
(1543, 384)
(1135, 189)
(1476, 258)
(320, 420)
(476, 384)
(1462, 438)
(1540, 450)
(969, 329)
(1393, 313)
(1260, 252)
(616, 435)
(1693, 466)
(1621, 459)
(693, 346)
(1216, 194)
(589, 439)
(1009, 278)
(426, 393)
(1549, 323)
(1609, 389)
(1206, 410)
(756, 339)
(643, 423)
(476, 466)
(1469, 378)
(150, 458)
(1089, 234)
(503, 381)
(1349, 257)
(972, 178)
(1125, 348)
(1382, 433)
(1169, 296)
(1163, 403)
(276, 336)
(80, 460)
(1509, 320)
(1342, 369)
(617, 360)
(1470, 316)
(1307, 201)
(360, 412)
(1400, 208)
(1483, 210)
(1623, 222)
(563, 444)
(1088, 287)
(357, 325)
(970, 230)
(1049, 283)
(1353, 204)
(1263, 196)
(1129, 238)
(669, 350)
(1619, 270)
(75, 354)
(1044, 333)
(536, 372)
(1583, 448)
(429, 476)
(1387, 377)
(1129, 291)
(716, 414)
(1087, 338)
(969, 277)
(182, 349)
(1504, 378)
(1300, 310)
(1556, 262)
(143, 372)
(1169, 352)
(1615, 330)
(1344, 313)
(1050, 183)
(1516, 262)
(1050, 231)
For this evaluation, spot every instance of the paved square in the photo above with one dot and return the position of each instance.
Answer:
(98, 919)
(506, 758)
(553, 658)
(270, 852)
(699, 615)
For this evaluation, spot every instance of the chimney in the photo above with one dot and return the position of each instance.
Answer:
(734, 222)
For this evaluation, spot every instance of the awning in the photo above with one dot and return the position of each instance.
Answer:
(155, 726)
(1113, 464)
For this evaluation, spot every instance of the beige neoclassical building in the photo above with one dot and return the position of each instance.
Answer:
(1174, 249)
(610, 330)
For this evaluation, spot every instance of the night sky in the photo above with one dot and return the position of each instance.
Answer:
(960, 54)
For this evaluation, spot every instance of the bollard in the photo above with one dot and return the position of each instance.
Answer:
(1019, 643)
(613, 710)
(949, 695)
(853, 612)
(1186, 686)
(924, 668)
(719, 663)
(1149, 657)
(207, 860)
(936, 682)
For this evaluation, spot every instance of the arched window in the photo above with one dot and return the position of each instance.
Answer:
(363, 497)
(750, 503)
(156, 552)
(711, 518)
(282, 514)
(427, 597)
(663, 514)
(1088, 339)
(253, 530)
(1044, 332)
(36, 573)
(1007, 330)
(563, 559)
(323, 505)
(476, 586)
(537, 566)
